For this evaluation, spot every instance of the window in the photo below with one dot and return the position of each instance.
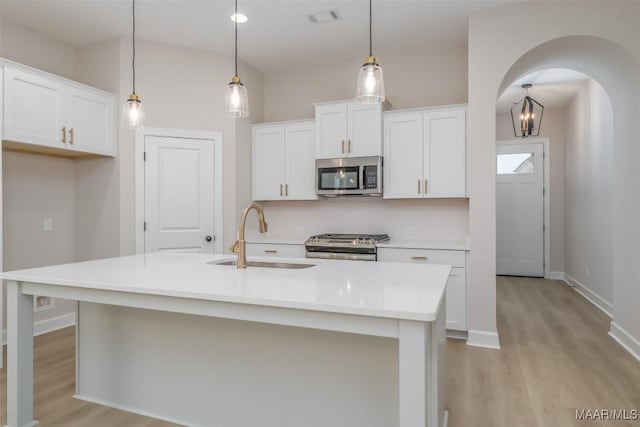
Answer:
(516, 163)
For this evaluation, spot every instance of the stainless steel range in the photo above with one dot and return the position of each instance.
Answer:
(362, 247)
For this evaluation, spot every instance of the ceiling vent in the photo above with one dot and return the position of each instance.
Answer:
(324, 17)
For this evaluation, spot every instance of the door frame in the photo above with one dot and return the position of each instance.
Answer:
(216, 138)
(546, 199)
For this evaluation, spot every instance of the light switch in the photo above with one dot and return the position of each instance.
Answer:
(48, 225)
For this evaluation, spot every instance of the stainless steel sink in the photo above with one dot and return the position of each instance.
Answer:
(263, 264)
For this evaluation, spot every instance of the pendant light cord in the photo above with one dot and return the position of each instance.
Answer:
(133, 60)
(370, 29)
(236, 38)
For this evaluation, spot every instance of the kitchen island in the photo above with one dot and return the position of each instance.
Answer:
(184, 338)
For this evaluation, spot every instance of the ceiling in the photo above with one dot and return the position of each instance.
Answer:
(553, 88)
(278, 35)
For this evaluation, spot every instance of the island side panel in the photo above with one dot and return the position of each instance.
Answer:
(196, 370)
(438, 368)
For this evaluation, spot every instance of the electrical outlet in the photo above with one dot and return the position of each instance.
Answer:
(41, 303)
(409, 230)
(47, 224)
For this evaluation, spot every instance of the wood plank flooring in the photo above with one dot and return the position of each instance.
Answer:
(556, 357)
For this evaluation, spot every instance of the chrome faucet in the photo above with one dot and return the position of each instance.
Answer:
(240, 245)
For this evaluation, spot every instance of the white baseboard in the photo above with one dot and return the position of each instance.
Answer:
(556, 275)
(625, 339)
(457, 335)
(131, 409)
(48, 325)
(483, 339)
(605, 306)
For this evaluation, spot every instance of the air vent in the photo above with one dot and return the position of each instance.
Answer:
(324, 17)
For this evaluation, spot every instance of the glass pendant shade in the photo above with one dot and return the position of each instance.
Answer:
(132, 112)
(370, 83)
(236, 100)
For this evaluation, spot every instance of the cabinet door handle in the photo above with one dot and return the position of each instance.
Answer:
(64, 134)
(343, 146)
(270, 251)
(286, 190)
(280, 190)
(419, 258)
(419, 187)
(349, 146)
(426, 186)
(71, 136)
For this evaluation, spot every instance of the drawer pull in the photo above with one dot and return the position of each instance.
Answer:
(419, 258)
(270, 251)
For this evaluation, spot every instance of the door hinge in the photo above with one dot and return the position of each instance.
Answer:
(144, 156)
(145, 226)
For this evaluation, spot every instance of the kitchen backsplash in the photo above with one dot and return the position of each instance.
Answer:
(426, 219)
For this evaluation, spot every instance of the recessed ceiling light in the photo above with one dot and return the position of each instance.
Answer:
(240, 18)
(322, 17)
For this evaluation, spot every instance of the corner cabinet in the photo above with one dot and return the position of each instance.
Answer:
(283, 161)
(348, 129)
(425, 153)
(46, 113)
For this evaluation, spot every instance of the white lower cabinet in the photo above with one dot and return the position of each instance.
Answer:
(456, 286)
(275, 250)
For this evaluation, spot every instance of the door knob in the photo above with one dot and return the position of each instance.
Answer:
(208, 238)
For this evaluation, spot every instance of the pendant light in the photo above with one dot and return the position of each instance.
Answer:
(370, 80)
(236, 101)
(528, 113)
(132, 114)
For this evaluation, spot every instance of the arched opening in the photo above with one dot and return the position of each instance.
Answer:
(554, 218)
(612, 75)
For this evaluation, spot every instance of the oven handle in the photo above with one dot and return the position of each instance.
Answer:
(342, 256)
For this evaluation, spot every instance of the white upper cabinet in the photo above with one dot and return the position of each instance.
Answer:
(402, 172)
(91, 120)
(300, 176)
(34, 109)
(331, 130)
(348, 129)
(364, 130)
(425, 153)
(284, 161)
(268, 162)
(445, 159)
(58, 115)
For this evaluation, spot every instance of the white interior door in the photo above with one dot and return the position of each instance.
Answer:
(520, 210)
(179, 194)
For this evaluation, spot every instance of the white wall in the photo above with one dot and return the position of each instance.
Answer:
(589, 195)
(432, 76)
(37, 187)
(590, 37)
(184, 89)
(553, 127)
(432, 219)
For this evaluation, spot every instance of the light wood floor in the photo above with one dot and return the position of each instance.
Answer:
(556, 356)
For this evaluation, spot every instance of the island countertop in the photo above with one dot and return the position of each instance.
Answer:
(389, 290)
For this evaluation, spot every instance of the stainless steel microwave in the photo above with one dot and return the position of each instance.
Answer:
(350, 176)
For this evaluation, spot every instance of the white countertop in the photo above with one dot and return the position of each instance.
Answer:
(426, 244)
(391, 290)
